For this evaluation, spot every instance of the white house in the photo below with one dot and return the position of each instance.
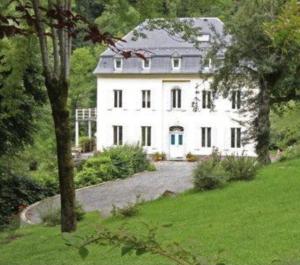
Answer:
(152, 102)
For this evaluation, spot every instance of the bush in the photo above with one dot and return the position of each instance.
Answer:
(240, 167)
(51, 215)
(87, 144)
(159, 156)
(208, 176)
(16, 192)
(191, 158)
(127, 211)
(112, 163)
(290, 153)
(151, 167)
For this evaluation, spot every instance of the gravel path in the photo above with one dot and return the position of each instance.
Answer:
(170, 176)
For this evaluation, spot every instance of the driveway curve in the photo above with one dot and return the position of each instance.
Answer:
(170, 176)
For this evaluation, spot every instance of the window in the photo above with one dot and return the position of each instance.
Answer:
(146, 63)
(118, 135)
(235, 137)
(206, 99)
(207, 63)
(118, 98)
(118, 64)
(206, 137)
(176, 98)
(203, 38)
(146, 136)
(146, 99)
(236, 99)
(176, 63)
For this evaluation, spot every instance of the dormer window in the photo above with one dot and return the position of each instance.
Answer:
(176, 63)
(146, 63)
(203, 38)
(118, 63)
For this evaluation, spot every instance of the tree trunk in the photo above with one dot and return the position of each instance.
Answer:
(58, 91)
(263, 124)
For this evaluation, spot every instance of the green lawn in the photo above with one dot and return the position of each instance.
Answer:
(244, 223)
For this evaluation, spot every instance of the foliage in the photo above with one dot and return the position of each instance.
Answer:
(87, 144)
(208, 175)
(131, 243)
(151, 167)
(260, 65)
(216, 224)
(159, 156)
(16, 192)
(112, 163)
(21, 94)
(191, 158)
(240, 167)
(51, 214)
(129, 210)
(291, 152)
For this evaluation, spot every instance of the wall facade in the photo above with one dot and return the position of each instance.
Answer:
(161, 116)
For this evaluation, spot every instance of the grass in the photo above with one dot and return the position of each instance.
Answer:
(245, 223)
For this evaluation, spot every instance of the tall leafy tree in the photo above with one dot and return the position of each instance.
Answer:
(252, 61)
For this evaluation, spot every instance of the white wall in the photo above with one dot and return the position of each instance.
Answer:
(160, 116)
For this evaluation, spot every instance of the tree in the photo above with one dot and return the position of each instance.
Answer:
(55, 25)
(21, 94)
(252, 61)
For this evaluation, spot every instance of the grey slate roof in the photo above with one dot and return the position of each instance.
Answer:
(161, 47)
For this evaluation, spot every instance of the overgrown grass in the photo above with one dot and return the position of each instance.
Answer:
(246, 223)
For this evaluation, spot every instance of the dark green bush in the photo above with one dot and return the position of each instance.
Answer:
(112, 163)
(16, 192)
(240, 167)
(87, 144)
(208, 175)
(127, 211)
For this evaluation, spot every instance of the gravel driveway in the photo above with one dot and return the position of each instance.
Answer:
(170, 176)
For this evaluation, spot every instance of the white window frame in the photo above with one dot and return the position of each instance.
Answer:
(146, 99)
(206, 131)
(117, 135)
(121, 64)
(149, 63)
(235, 141)
(173, 63)
(146, 136)
(206, 99)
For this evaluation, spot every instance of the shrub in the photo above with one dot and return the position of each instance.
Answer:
(191, 158)
(127, 211)
(16, 192)
(112, 163)
(87, 144)
(159, 156)
(290, 153)
(51, 214)
(208, 176)
(151, 167)
(240, 167)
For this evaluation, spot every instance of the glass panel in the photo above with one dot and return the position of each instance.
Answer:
(143, 99)
(115, 99)
(232, 137)
(233, 99)
(148, 99)
(208, 137)
(120, 98)
(180, 139)
(143, 136)
(208, 99)
(203, 99)
(203, 137)
(173, 95)
(115, 132)
(172, 139)
(238, 137)
(149, 136)
(120, 135)
(238, 99)
(179, 98)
